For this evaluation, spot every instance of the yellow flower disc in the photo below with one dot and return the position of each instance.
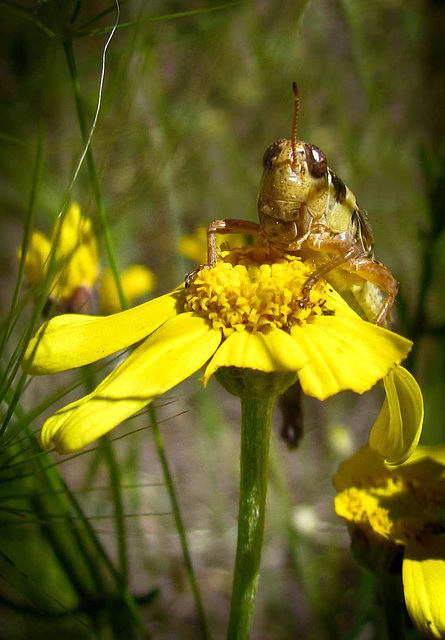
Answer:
(398, 504)
(255, 289)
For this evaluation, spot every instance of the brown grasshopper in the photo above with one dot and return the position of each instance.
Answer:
(304, 208)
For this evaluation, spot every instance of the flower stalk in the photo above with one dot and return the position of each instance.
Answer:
(254, 467)
(391, 590)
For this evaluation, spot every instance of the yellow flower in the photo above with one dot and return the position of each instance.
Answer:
(76, 268)
(401, 510)
(136, 281)
(245, 312)
(194, 245)
(76, 256)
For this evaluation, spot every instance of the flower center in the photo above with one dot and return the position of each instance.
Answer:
(255, 288)
(395, 508)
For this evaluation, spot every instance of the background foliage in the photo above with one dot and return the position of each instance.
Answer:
(194, 93)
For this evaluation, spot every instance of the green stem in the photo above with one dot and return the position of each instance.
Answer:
(119, 516)
(255, 440)
(179, 524)
(27, 232)
(390, 590)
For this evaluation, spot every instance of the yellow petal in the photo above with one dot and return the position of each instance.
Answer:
(424, 585)
(178, 349)
(72, 340)
(36, 258)
(77, 260)
(434, 452)
(346, 353)
(359, 470)
(85, 264)
(271, 351)
(71, 229)
(397, 429)
(80, 268)
(137, 280)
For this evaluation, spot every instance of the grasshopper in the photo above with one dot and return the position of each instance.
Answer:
(304, 208)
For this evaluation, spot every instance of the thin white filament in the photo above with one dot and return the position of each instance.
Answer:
(98, 107)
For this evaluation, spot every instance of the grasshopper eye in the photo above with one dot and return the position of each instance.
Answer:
(270, 153)
(316, 161)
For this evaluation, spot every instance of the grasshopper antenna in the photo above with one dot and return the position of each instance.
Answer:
(294, 122)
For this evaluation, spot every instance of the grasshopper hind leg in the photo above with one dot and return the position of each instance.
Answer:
(365, 267)
(377, 274)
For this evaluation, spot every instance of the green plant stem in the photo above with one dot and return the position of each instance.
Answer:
(179, 524)
(390, 590)
(80, 33)
(119, 517)
(27, 232)
(254, 466)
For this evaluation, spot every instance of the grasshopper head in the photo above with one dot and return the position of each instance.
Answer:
(294, 172)
(293, 186)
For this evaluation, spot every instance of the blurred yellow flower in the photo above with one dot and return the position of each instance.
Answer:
(76, 268)
(76, 257)
(244, 312)
(401, 511)
(194, 245)
(136, 281)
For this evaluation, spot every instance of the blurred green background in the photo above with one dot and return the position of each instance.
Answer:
(194, 93)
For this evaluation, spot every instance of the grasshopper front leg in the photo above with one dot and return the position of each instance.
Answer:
(228, 226)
